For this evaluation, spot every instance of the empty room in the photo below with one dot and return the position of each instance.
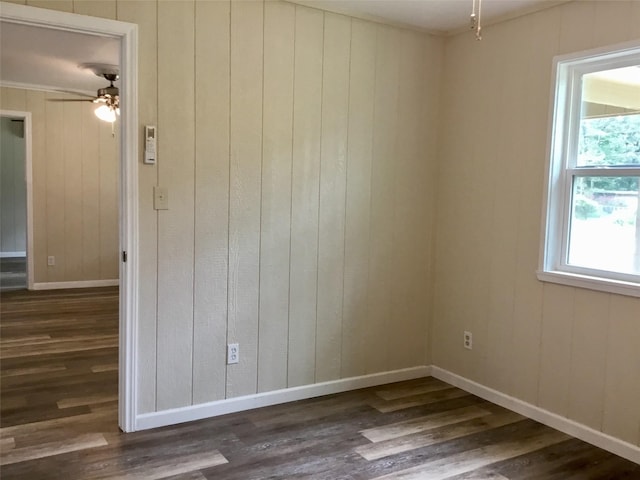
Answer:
(324, 239)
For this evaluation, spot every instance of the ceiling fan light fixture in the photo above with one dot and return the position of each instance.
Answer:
(105, 113)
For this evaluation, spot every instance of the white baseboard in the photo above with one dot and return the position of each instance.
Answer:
(12, 254)
(602, 440)
(78, 284)
(231, 405)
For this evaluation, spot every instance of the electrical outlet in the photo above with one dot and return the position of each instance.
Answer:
(468, 340)
(233, 353)
(51, 261)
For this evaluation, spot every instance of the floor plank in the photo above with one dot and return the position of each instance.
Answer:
(58, 420)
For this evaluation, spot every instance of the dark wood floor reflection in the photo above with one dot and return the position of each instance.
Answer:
(59, 420)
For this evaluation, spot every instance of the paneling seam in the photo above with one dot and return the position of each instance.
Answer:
(226, 368)
(346, 195)
(261, 201)
(293, 127)
(195, 199)
(373, 126)
(315, 356)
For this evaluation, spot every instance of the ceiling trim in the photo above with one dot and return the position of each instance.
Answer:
(45, 88)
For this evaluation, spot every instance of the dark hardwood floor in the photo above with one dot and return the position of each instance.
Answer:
(13, 273)
(59, 420)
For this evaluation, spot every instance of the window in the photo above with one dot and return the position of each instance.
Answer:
(592, 234)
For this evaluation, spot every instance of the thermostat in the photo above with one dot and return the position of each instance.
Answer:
(150, 156)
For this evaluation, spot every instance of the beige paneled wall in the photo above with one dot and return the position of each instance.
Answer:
(298, 149)
(571, 351)
(75, 188)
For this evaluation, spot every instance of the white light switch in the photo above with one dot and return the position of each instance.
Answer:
(160, 198)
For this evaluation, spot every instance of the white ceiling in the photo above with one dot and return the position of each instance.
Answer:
(51, 59)
(436, 16)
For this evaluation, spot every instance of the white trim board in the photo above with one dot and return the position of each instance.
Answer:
(13, 254)
(599, 439)
(248, 402)
(77, 284)
(222, 407)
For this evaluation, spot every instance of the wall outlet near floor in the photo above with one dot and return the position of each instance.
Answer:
(468, 340)
(233, 353)
(51, 261)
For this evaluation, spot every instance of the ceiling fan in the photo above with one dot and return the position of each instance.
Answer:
(107, 98)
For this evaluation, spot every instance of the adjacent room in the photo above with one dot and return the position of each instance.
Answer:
(383, 239)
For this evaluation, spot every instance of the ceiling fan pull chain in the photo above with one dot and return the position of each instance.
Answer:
(474, 18)
(478, 25)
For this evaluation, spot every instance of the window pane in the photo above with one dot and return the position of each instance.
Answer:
(610, 118)
(604, 227)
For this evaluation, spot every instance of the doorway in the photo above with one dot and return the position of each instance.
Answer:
(126, 35)
(13, 201)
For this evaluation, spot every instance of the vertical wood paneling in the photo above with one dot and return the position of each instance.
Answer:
(144, 13)
(36, 104)
(82, 228)
(266, 176)
(212, 201)
(244, 192)
(335, 114)
(588, 357)
(407, 338)
(432, 58)
(95, 8)
(13, 99)
(505, 205)
(452, 252)
(90, 184)
(175, 226)
(527, 316)
(358, 197)
(475, 217)
(555, 356)
(555, 348)
(72, 125)
(275, 229)
(382, 198)
(622, 387)
(109, 231)
(55, 221)
(614, 23)
(304, 195)
(577, 27)
(61, 5)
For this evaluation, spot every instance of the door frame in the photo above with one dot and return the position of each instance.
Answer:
(127, 33)
(28, 178)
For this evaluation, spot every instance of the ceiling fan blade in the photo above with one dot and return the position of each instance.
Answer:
(70, 100)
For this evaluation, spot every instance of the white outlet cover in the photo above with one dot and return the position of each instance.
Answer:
(233, 353)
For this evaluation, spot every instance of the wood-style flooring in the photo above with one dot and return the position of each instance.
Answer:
(13, 273)
(59, 420)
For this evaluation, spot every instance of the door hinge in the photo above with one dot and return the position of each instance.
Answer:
(124, 256)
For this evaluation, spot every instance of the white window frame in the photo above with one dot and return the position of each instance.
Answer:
(561, 156)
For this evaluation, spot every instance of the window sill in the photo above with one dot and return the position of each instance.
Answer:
(591, 283)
